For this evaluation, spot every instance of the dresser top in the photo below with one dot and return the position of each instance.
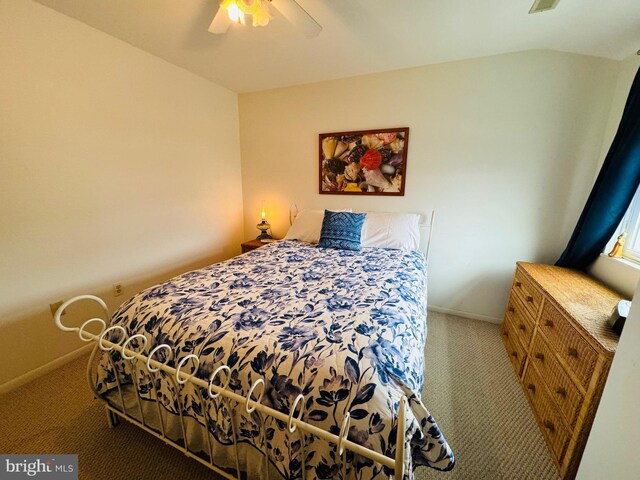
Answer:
(583, 298)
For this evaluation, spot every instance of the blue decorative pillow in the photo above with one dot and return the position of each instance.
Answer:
(341, 230)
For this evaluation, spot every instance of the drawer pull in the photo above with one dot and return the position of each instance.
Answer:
(539, 356)
(518, 284)
(532, 387)
(562, 392)
(548, 424)
(522, 327)
(549, 323)
(511, 309)
(573, 352)
(529, 299)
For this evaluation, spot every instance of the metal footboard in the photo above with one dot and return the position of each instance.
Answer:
(214, 393)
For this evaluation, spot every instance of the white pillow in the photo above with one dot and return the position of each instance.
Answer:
(391, 230)
(308, 225)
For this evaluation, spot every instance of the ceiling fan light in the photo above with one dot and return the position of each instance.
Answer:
(261, 17)
(234, 13)
(237, 9)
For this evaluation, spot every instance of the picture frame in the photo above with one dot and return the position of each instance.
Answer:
(363, 162)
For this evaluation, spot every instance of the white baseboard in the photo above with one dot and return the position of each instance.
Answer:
(474, 316)
(44, 369)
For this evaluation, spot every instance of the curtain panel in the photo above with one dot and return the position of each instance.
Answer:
(613, 191)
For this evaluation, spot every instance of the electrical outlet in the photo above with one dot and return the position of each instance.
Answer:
(55, 306)
(117, 289)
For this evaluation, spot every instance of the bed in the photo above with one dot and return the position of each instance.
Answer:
(330, 337)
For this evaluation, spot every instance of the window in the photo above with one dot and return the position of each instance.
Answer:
(631, 225)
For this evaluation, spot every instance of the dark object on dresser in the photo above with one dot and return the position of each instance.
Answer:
(558, 338)
(619, 316)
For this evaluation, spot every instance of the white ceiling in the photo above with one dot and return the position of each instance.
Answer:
(358, 36)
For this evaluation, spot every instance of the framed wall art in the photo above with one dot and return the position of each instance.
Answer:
(367, 162)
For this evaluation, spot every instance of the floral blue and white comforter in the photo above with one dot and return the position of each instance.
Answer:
(345, 329)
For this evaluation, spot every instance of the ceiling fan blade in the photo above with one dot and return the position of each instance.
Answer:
(298, 16)
(221, 22)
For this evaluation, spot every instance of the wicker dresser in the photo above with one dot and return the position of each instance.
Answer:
(557, 337)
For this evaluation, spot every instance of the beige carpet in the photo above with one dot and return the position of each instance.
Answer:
(471, 389)
(474, 394)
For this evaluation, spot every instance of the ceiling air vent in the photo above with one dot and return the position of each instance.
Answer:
(543, 5)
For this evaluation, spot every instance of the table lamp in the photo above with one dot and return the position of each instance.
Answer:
(263, 226)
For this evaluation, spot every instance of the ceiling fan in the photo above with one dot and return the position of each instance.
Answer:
(235, 11)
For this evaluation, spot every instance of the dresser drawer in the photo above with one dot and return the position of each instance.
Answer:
(531, 297)
(567, 342)
(563, 391)
(549, 419)
(520, 320)
(512, 344)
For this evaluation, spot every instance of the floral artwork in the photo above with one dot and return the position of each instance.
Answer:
(371, 162)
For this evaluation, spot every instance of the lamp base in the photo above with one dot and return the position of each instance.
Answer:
(263, 227)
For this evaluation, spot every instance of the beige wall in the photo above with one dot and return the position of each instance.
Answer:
(115, 166)
(504, 148)
(612, 448)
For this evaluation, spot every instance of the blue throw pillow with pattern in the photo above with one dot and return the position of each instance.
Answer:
(341, 230)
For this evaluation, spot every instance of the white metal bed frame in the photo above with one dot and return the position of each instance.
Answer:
(214, 392)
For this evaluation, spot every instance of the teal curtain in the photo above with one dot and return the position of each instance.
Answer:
(613, 191)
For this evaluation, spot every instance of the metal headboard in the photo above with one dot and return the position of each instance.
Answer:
(426, 228)
(426, 232)
(293, 213)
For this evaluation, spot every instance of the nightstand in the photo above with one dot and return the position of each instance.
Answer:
(252, 245)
